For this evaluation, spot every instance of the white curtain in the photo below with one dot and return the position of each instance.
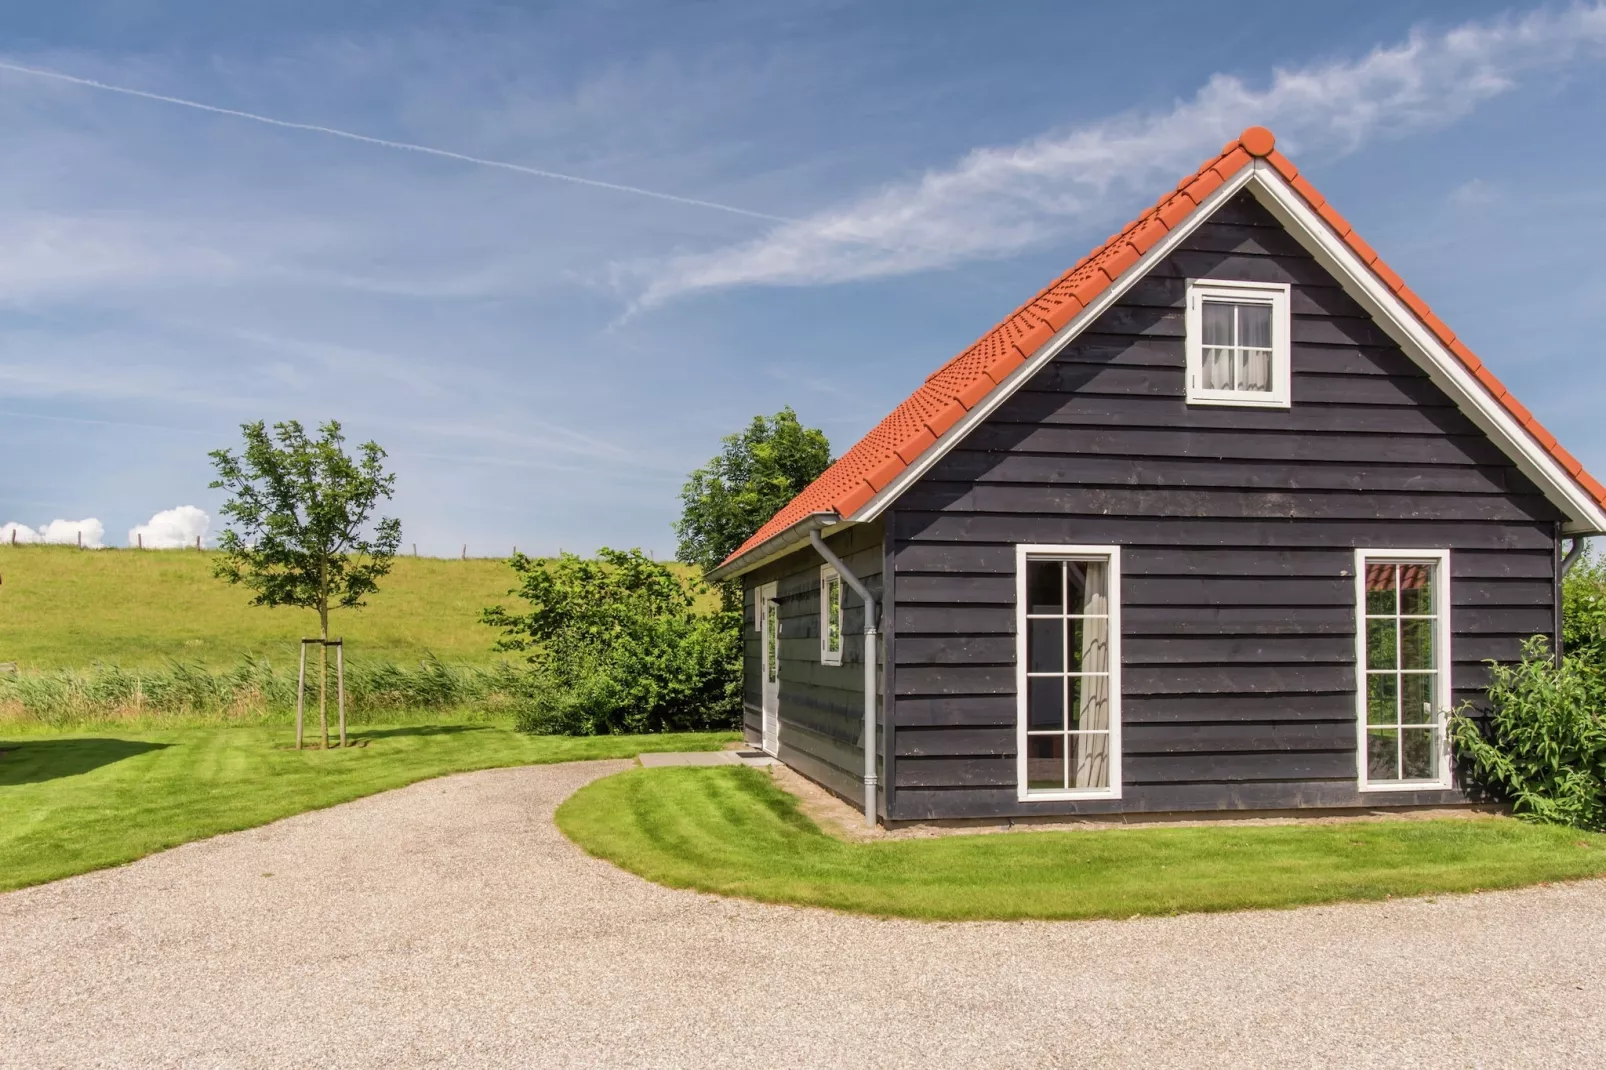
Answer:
(1092, 758)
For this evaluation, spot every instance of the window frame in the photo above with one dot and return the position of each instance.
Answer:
(829, 575)
(1444, 689)
(1111, 556)
(1277, 294)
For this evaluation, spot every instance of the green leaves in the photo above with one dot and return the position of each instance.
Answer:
(758, 471)
(618, 644)
(299, 512)
(1545, 745)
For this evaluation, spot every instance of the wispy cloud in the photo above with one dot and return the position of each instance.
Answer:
(999, 201)
(378, 142)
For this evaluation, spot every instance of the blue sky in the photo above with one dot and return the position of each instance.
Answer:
(546, 360)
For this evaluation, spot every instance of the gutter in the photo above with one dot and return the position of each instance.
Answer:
(778, 545)
(869, 670)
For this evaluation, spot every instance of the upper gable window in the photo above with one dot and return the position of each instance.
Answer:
(1238, 343)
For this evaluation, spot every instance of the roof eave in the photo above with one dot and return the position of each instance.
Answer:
(776, 546)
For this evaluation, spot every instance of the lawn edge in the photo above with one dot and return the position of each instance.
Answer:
(781, 900)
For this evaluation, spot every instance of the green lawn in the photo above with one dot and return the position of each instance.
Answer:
(730, 830)
(75, 802)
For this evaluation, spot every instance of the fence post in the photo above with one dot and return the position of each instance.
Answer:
(141, 538)
(80, 540)
(340, 685)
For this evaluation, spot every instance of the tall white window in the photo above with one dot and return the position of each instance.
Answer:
(1403, 654)
(1068, 671)
(1237, 343)
(830, 616)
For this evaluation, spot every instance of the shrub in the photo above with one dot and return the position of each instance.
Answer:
(619, 644)
(1545, 743)
(1583, 614)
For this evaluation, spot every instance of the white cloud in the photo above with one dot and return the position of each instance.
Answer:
(171, 529)
(89, 532)
(998, 201)
(17, 533)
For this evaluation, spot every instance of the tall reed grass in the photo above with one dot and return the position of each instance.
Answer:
(256, 692)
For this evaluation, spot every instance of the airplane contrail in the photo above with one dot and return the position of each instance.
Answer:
(406, 146)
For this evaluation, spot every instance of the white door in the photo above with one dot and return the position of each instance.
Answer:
(769, 632)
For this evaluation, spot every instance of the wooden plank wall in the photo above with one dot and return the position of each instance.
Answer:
(1237, 526)
(821, 706)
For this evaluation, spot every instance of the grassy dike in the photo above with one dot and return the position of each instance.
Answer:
(61, 607)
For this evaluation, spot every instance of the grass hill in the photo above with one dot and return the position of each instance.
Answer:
(61, 607)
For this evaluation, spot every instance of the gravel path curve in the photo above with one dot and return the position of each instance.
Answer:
(450, 924)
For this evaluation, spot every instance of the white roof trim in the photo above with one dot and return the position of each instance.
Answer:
(782, 543)
(1051, 349)
(1443, 367)
(1423, 346)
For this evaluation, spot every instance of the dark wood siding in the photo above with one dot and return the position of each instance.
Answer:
(821, 706)
(1238, 528)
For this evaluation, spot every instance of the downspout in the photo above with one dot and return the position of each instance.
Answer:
(1573, 554)
(869, 671)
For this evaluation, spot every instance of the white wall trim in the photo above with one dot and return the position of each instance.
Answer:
(765, 596)
(1444, 693)
(1112, 554)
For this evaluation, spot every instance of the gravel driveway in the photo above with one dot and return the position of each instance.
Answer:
(450, 924)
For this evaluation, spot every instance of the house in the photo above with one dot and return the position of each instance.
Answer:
(1224, 519)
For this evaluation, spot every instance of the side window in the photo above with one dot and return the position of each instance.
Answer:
(830, 616)
(1068, 671)
(1237, 344)
(1403, 651)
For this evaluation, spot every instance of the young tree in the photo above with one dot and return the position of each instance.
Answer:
(759, 470)
(300, 536)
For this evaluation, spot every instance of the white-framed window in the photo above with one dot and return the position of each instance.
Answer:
(1402, 651)
(830, 616)
(1068, 671)
(1237, 343)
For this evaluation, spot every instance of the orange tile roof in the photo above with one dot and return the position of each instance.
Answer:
(961, 384)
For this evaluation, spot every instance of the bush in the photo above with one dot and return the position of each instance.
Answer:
(1583, 615)
(1544, 747)
(618, 645)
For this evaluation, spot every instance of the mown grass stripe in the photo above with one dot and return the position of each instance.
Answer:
(732, 831)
